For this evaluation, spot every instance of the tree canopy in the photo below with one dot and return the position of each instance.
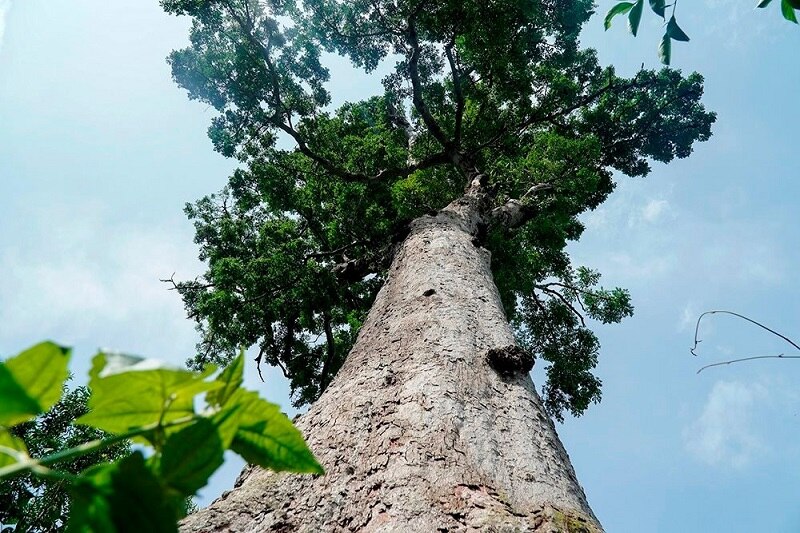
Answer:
(298, 242)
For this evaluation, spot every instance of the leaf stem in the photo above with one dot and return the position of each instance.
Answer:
(16, 454)
(38, 466)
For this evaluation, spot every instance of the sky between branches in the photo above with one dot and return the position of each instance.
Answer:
(99, 151)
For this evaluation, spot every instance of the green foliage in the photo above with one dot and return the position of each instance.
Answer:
(128, 392)
(35, 378)
(131, 398)
(299, 242)
(123, 496)
(673, 32)
(37, 504)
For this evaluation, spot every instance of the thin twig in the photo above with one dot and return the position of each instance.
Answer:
(759, 324)
(697, 341)
(564, 301)
(779, 356)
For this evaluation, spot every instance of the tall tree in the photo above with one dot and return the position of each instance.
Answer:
(423, 231)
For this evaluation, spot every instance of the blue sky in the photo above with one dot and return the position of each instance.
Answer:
(99, 151)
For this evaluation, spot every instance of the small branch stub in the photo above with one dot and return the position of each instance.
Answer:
(510, 360)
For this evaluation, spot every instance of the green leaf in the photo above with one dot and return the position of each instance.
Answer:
(191, 455)
(130, 392)
(15, 405)
(231, 379)
(635, 17)
(619, 9)
(90, 509)
(227, 423)
(665, 49)
(763, 3)
(658, 7)
(788, 11)
(122, 497)
(675, 32)
(31, 382)
(7, 440)
(266, 437)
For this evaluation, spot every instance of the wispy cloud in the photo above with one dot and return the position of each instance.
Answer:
(724, 435)
(5, 5)
(688, 316)
(650, 236)
(654, 209)
(90, 280)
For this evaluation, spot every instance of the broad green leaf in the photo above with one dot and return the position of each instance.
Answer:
(675, 32)
(90, 509)
(763, 3)
(40, 372)
(665, 49)
(227, 423)
(15, 405)
(619, 9)
(12, 443)
(190, 456)
(231, 379)
(658, 7)
(635, 17)
(266, 437)
(788, 11)
(122, 497)
(122, 399)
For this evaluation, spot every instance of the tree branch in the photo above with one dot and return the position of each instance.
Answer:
(564, 301)
(457, 91)
(538, 117)
(330, 342)
(515, 212)
(578, 291)
(416, 90)
(259, 358)
(281, 119)
(336, 251)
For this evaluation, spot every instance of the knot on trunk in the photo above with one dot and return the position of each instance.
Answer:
(510, 360)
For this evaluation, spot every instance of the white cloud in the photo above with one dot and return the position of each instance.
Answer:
(5, 5)
(597, 219)
(688, 317)
(730, 18)
(642, 235)
(639, 267)
(654, 210)
(724, 434)
(90, 281)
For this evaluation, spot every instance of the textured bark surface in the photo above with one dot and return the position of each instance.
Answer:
(418, 432)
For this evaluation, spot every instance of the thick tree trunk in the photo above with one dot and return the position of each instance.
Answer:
(417, 432)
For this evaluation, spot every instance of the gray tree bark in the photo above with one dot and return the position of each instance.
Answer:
(418, 432)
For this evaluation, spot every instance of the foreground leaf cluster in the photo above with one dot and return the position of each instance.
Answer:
(153, 405)
(673, 32)
(40, 505)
